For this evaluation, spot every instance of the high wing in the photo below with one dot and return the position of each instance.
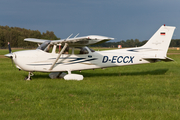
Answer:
(35, 40)
(78, 41)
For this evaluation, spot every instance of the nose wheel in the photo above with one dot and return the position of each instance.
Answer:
(29, 76)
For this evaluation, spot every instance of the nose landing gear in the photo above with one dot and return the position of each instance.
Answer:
(29, 76)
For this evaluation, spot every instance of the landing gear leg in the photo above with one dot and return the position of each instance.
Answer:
(69, 72)
(29, 76)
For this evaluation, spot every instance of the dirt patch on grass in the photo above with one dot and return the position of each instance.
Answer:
(2, 56)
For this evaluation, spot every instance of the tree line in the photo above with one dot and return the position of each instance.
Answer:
(16, 36)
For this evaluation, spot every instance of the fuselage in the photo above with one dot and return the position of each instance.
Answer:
(38, 60)
(64, 59)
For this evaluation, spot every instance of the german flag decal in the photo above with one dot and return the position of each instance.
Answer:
(163, 33)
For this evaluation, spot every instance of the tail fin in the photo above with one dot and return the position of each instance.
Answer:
(161, 39)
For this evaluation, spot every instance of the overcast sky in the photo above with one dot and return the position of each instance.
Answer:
(121, 19)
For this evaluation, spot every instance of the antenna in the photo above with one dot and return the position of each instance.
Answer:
(76, 35)
(69, 36)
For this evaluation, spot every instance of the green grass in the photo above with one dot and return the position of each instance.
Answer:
(148, 91)
(174, 50)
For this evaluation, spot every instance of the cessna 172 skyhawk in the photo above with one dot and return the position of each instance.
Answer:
(43, 61)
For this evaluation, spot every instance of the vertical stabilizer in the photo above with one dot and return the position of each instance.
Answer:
(161, 39)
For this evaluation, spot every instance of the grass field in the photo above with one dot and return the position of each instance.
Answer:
(140, 92)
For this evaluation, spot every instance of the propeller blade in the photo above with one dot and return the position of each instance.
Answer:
(12, 62)
(10, 55)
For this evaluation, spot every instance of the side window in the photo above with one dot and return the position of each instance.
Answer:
(49, 48)
(78, 50)
(66, 51)
(91, 50)
(83, 50)
(72, 50)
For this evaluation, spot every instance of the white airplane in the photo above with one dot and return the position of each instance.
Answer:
(42, 60)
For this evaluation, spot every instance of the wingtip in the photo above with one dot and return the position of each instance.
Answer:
(112, 38)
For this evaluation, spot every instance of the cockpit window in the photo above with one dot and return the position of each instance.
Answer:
(91, 50)
(83, 50)
(44, 45)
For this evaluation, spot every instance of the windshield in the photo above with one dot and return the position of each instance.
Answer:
(44, 45)
(91, 50)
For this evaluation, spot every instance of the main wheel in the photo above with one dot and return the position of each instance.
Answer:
(26, 78)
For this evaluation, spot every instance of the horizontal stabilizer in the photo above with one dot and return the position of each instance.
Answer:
(168, 59)
(165, 59)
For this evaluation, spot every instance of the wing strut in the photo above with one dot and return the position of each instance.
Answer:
(59, 56)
